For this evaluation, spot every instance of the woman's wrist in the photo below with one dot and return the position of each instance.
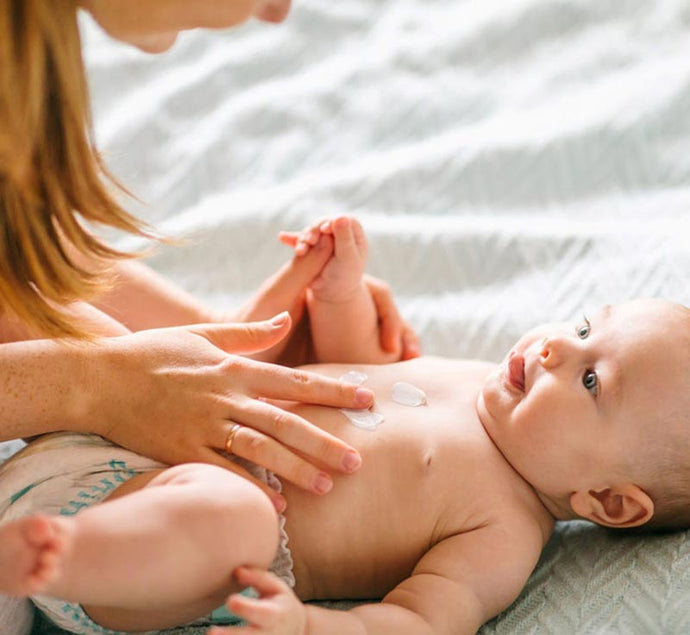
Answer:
(83, 393)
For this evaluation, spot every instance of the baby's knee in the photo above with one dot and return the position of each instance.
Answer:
(228, 510)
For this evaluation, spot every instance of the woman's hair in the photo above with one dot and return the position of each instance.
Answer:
(52, 178)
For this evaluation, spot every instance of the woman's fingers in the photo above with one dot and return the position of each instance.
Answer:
(278, 428)
(291, 384)
(396, 335)
(411, 345)
(255, 446)
(288, 238)
(295, 276)
(390, 321)
(245, 337)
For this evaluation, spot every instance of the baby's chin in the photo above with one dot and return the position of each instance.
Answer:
(483, 413)
(494, 402)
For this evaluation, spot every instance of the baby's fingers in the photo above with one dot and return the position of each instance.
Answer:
(265, 611)
(265, 583)
(260, 613)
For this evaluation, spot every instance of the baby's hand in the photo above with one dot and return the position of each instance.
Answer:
(342, 274)
(277, 610)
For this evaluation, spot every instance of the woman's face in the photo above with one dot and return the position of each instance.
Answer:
(153, 25)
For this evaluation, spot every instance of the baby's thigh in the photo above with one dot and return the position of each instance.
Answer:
(216, 501)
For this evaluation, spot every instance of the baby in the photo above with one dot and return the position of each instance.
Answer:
(456, 497)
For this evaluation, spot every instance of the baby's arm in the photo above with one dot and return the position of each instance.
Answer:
(344, 318)
(459, 584)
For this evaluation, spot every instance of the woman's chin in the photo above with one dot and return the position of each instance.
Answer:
(158, 43)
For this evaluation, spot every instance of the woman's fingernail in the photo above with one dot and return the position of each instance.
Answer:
(323, 483)
(279, 503)
(351, 461)
(364, 397)
(280, 319)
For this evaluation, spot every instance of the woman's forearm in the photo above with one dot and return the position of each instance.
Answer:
(43, 388)
(43, 383)
(142, 299)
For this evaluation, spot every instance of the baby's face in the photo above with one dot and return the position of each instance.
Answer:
(571, 400)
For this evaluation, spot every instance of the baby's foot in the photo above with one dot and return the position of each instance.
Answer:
(31, 550)
(341, 276)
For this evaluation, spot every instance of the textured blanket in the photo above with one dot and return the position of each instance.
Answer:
(513, 161)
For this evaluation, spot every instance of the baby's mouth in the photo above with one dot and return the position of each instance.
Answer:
(516, 371)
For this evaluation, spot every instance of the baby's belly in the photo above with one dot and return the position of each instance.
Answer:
(366, 535)
(369, 532)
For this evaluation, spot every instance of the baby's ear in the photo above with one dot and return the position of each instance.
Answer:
(618, 506)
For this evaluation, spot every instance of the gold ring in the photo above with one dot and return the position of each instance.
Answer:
(231, 437)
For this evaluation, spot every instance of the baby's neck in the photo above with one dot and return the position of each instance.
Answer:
(559, 510)
(556, 508)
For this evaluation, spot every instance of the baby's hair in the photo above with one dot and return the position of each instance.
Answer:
(668, 475)
(51, 175)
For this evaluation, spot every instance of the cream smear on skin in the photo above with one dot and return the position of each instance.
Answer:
(402, 393)
(365, 419)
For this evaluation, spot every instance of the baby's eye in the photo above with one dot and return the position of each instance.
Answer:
(583, 331)
(591, 382)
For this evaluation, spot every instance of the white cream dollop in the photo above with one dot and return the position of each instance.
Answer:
(407, 395)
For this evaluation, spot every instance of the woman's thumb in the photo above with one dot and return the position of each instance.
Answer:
(246, 337)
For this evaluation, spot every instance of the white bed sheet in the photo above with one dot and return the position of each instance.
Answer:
(513, 161)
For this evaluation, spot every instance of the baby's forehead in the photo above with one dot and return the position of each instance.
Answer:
(650, 318)
(658, 349)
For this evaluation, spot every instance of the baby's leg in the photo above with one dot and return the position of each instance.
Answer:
(344, 318)
(340, 277)
(163, 554)
(30, 552)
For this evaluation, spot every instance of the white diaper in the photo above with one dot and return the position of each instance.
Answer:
(63, 473)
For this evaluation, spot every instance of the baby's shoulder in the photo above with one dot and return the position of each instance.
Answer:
(504, 504)
(495, 557)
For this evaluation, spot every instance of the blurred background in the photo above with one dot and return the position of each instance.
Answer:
(512, 161)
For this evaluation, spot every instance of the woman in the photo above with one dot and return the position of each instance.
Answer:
(156, 371)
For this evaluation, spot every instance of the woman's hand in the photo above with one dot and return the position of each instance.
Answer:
(175, 394)
(396, 334)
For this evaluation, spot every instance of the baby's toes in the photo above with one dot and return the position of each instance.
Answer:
(38, 530)
(344, 237)
(360, 237)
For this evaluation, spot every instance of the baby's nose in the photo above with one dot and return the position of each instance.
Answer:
(553, 350)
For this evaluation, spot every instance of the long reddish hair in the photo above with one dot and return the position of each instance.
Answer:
(53, 182)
